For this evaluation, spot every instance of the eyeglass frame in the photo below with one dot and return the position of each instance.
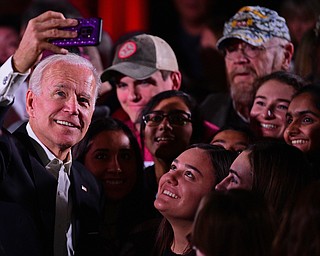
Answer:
(167, 115)
(257, 50)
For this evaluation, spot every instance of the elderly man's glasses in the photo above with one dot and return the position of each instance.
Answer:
(231, 51)
(176, 118)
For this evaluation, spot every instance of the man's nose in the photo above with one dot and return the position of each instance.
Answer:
(134, 94)
(72, 105)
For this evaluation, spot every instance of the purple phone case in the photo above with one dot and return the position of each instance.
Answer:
(89, 33)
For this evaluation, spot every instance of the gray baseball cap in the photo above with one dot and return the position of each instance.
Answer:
(141, 56)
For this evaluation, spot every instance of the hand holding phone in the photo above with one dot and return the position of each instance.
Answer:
(89, 33)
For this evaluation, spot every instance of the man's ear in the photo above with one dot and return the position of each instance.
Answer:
(288, 53)
(29, 103)
(176, 80)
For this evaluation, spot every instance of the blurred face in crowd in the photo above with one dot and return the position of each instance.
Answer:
(268, 113)
(240, 174)
(134, 94)
(245, 63)
(231, 140)
(9, 41)
(303, 121)
(298, 23)
(180, 190)
(60, 113)
(192, 10)
(168, 128)
(112, 160)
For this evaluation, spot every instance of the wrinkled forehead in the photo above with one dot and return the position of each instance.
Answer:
(67, 75)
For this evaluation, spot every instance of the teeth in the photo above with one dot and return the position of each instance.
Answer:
(269, 126)
(65, 123)
(168, 193)
(298, 142)
(114, 182)
(164, 139)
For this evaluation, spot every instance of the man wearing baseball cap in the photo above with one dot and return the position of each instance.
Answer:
(255, 42)
(143, 66)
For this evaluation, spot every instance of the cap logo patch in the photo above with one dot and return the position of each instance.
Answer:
(127, 50)
(242, 23)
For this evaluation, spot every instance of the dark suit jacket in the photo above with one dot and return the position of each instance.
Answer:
(18, 235)
(217, 109)
(25, 181)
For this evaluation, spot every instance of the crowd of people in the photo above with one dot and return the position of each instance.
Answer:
(123, 159)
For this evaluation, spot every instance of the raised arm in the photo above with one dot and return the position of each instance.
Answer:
(36, 39)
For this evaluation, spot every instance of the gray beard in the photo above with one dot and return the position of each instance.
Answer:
(242, 94)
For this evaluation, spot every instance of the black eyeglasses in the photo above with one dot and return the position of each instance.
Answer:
(177, 118)
(247, 50)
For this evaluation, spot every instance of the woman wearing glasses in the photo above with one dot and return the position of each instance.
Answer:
(170, 122)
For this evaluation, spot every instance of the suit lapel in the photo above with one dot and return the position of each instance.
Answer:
(44, 182)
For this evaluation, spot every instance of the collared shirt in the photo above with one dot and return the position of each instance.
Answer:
(61, 171)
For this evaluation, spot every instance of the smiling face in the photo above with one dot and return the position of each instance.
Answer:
(134, 94)
(268, 113)
(240, 174)
(61, 112)
(180, 190)
(112, 160)
(303, 120)
(166, 140)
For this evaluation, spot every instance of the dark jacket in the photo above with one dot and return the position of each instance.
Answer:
(25, 181)
(217, 108)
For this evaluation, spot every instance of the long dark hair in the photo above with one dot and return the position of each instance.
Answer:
(234, 222)
(280, 172)
(299, 234)
(109, 124)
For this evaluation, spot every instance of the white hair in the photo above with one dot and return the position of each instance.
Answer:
(70, 58)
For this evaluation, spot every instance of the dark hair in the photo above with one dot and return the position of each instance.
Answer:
(234, 223)
(280, 172)
(288, 78)
(291, 79)
(116, 76)
(38, 7)
(246, 131)
(300, 234)
(221, 160)
(197, 121)
(312, 90)
(108, 124)
(10, 21)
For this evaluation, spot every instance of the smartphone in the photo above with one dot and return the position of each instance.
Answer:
(89, 33)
